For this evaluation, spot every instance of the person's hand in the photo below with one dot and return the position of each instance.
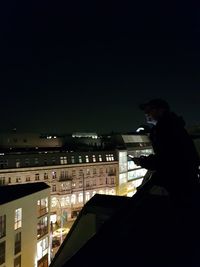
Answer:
(136, 161)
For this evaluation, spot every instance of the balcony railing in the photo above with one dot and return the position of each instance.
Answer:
(65, 178)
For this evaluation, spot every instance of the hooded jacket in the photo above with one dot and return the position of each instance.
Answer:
(175, 158)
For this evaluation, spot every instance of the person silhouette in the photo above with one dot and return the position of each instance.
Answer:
(175, 159)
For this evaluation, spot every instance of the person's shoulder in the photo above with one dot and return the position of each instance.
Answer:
(172, 119)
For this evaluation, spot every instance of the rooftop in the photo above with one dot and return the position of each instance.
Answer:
(143, 231)
(12, 192)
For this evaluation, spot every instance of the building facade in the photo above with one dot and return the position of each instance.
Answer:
(25, 225)
(76, 176)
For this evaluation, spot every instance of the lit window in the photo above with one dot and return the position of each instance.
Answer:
(53, 175)
(112, 192)
(17, 163)
(67, 201)
(53, 202)
(73, 199)
(80, 198)
(87, 158)
(87, 196)
(109, 157)
(63, 187)
(42, 227)
(42, 206)
(63, 160)
(80, 159)
(18, 218)
(93, 158)
(100, 158)
(62, 202)
(73, 159)
(42, 248)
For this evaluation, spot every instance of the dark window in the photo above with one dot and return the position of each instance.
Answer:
(2, 180)
(27, 162)
(37, 177)
(2, 252)
(17, 261)
(28, 178)
(2, 226)
(17, 243)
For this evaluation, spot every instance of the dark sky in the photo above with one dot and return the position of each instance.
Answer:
(87, 65)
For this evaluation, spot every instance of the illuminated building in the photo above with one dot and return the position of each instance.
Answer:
(76, 175)
(131, 175)
(24, 225)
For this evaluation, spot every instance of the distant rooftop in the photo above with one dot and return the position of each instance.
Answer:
(86, 135)
(12, 192)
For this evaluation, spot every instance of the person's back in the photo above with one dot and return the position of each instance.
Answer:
(175, 162)
(176, 159)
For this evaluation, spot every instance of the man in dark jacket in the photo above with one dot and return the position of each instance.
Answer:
(176, 164)
(175, 158)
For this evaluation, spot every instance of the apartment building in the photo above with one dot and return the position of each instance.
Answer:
(76, 176)
(24, 225)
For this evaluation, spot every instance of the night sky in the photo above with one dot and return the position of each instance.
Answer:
(87, 65)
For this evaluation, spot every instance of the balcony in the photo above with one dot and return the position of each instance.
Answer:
(65, 178)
